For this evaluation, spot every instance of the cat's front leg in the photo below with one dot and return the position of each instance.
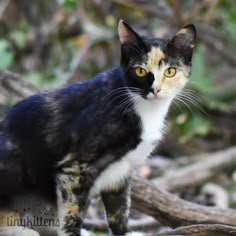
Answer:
(72, 200)
(117, 204)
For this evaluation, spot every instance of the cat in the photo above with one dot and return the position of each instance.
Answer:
(72, 143)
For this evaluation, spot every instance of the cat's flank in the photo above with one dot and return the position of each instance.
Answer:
(87, 138)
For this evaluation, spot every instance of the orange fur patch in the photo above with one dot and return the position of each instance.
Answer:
(154, 57)
(71, 208)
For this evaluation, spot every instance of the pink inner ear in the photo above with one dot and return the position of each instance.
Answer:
(125, 34)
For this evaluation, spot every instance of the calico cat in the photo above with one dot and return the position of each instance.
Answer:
(85, 139)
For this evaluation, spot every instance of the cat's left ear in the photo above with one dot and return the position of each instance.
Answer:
(185, 37)
(183, 42)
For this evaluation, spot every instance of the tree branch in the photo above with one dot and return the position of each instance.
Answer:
(197, 173)
(168, 209)
(3, 7)
(15, 85)
(207, 229)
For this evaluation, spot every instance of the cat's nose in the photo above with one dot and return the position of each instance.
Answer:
(155, 91)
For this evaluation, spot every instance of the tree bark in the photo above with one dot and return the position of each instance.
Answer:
(170, 210)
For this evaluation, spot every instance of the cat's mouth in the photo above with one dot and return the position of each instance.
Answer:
(154, 94)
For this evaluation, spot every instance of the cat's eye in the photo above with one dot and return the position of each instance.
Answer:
(140, 72)
(170, 72)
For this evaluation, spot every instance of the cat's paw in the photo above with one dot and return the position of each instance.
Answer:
(134, 234)
(84, 232)
(30, 232)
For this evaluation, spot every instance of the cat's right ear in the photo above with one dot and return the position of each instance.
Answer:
(126, 34)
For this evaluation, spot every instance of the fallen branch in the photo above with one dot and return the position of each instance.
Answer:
(208, 229)
(197, 173)
(170, 210)
(145, 223)
(15, 85)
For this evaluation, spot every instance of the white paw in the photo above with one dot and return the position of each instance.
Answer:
(134, 234)
(29, 232)
(84, 232)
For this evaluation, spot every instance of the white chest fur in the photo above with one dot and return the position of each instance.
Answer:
(152, 114)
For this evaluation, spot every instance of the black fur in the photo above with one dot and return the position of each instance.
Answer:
(81, 118)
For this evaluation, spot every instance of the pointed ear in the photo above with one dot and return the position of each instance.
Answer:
(127, 34)
(185, 38)
(182, 44)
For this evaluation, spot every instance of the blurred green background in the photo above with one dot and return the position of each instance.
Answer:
(56, 42)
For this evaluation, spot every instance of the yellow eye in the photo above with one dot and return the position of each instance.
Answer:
(170, 72)
(140, 72)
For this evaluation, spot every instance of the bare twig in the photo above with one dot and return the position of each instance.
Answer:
(13, 83)
(3, 7)
(175, 5)
(197, 173)
(217, 44)
(195, 11)
(210, 12)
(150, 9)
(74, 67)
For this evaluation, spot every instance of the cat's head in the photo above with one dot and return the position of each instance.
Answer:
(156, 68)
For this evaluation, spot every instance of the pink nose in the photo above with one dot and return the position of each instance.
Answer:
(156, 91)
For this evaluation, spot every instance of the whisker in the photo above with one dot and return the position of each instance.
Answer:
(114, 91)
(185, 103)
(175, 104)
(188, 96)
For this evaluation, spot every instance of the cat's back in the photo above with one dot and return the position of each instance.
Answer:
(40, 119)
(40, 128)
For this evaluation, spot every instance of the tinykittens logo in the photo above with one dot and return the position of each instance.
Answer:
(31, 221)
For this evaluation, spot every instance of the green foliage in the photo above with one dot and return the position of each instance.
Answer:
(232, 192)
(101, 233)
(19, 38)
(6, 55)
(35, 78)
(190, 125)
(39, 81)
(69, 3)
(199, 80)
(192, 120)
(203, 85)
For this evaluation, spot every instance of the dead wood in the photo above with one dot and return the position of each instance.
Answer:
(145, 223)
(199, 172)
(207, 229)
(170, 210)
(15, 85)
